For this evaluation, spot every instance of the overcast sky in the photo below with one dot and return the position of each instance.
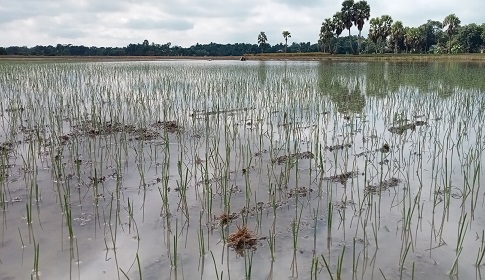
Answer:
(186, 22)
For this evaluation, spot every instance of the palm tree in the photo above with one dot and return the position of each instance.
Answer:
(380, 29)
(286, 34)
(348, 17)
(361, 14)
(397, 34)
(452, 21)
(262, 39)
(374, 30)
(386, 22)
(337, 26)
(326, 33)
(413, 38)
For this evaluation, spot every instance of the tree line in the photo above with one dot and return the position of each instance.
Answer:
(385, 36)
(153, 49)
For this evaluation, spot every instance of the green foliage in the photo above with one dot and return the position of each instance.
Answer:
(469, 38)
(397, 35)
(286, 35)
(262, 39)
(380, 29)
(451, 22)
(326, 34)
(361, 14)
(348, 15)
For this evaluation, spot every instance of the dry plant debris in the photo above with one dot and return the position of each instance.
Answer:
(342, 178)
(384, 185)
(401, 129)
(243, 239)
(284, 158)
(169, 126)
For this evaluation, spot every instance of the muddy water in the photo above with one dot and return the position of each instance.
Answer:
(116, 170)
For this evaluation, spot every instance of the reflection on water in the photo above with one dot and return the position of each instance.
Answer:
(367, 170)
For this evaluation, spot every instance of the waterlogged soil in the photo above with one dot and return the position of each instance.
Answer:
(244, 170)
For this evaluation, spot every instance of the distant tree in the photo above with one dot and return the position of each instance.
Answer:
(348, 15)
(262, 39)
(286, 35)
(379, 30)
(3, 51)
(482, 48)
(326, 33)
(469, 38)
(337, 26)
(397, 34)
(451, 22)
(361, 14)
(431, 33)
(412, 38)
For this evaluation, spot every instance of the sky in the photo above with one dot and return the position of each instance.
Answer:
(117, 23)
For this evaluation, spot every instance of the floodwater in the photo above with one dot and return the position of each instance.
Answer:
(154, 170)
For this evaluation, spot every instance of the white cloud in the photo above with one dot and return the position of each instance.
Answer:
(186, 22)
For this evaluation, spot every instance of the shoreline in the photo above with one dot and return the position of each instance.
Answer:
(476, 57)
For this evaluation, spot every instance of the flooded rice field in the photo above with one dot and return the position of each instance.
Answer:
(242, 170)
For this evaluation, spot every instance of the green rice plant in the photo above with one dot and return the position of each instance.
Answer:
(36, 260)
(462, 226)
(67, 213)
(327, 267)
(340, 262)
(219, 277)
(481, 250)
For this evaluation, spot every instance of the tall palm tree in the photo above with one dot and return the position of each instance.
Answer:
(452, 21)
(380, 29)
(397, 34)
(262, 39)
(374, 30)
(412, 38)
(348, 17)
(361, 14)
(337, 26)
(386, 22)
(326, 33)
(286, 34)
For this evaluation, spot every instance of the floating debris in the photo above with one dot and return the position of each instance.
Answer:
(207, 181)
(6, 147)
(96, 129)
(299, 192)
(385, 148)
(384, 185)
(232, 111)
(146, 134)
(343, 204)
(338, 147)
(342, 178)
(243, 239)
(169, 126)
(285, 158)
(260, 153)
(225, 218)
(401, 129)
(15, 109)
